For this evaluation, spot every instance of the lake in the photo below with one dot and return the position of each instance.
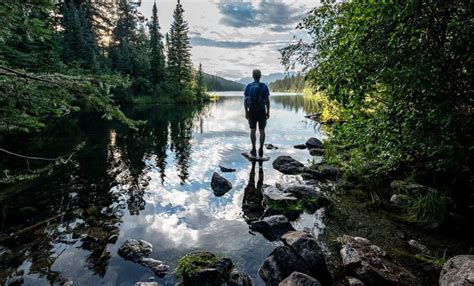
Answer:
(153, 184)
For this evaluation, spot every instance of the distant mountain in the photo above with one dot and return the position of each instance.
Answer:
(267, 78)
(217, 83)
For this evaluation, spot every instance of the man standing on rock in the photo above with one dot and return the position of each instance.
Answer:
(257, 110)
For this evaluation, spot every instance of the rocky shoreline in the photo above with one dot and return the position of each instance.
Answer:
(298, 258)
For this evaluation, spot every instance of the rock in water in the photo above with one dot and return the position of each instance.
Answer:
(147, 284)
(138, 252)
(280, 264)
(135, 250)
(220, 185)
(273, 194)
(204, 268)
(239, 278)
(300, 146)
(370, 263)
(299, 279)
(458, 271)
(226, 170)
(316, 151)
(307, 248)
(352, 281)
(272, 227)
(271, 146)
(287, 165)
(314, 143)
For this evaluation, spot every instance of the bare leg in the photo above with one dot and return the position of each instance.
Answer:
(262, 141)
(253, 138)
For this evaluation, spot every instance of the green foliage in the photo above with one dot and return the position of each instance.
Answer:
(429, 208)
(157, 61)
(217, 83)
(195, 262)
(402, 75)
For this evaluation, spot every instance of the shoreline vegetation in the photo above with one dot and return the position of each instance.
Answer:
(56, 59)
(395, 111)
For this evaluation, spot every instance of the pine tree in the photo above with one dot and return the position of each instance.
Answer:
(157, 61)
(123, 36)
(179, 56)
(200, 88)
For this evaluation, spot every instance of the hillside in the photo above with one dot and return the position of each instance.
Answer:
(217, 83)
(267, 78)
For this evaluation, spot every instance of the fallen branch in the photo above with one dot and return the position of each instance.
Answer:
(28, 228)
(32, 157)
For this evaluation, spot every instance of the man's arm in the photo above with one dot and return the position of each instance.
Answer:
(246, 94)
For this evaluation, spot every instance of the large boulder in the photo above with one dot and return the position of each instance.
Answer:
(458, 271)
(299, 279)
(280, 264)
(308, 249)
(272, 227)
(314, 143)
(138, 252)
(372, 265)
(220, 185)
(287, 165)
(239, 278)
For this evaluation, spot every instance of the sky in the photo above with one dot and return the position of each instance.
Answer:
(232, 37)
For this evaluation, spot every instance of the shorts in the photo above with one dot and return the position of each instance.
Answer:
(259, 117)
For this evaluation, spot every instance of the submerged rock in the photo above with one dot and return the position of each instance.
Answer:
(147, 284)
(138, 252)
(226, 170)
(239, 278)
(220, 185)
(287, 165)
(272, 227)
(299, 279)
(458, 271)
(273, 194)
(271, 146)
(300, 146)
(314, 143)
(308, 249)
(352, 281)
(371, 264)
(204, 268)
(280, 264)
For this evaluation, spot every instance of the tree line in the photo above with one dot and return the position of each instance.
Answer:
(56, 58)
(291, 83)
(401, 78)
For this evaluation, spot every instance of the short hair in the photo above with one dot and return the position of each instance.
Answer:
(256, 74)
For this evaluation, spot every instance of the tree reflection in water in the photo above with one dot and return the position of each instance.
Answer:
(80, 205)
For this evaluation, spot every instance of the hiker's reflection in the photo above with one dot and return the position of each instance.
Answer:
(252, 204)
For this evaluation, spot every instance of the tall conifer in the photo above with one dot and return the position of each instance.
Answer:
(157, 60)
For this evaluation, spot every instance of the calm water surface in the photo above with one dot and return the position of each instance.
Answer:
(153, 185)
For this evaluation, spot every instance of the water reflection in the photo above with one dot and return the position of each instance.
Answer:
(252, 204)
(151, 184)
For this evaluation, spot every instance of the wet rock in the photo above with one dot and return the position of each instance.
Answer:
(287, 165)
(226, 170)
(352, 281)
(134, 249)
(458, 271)
(280, 264)
(272, 227)
(316, 151)
(138, 252)
(224, 266)
(270, 146)
(15, 281)
(220, 185)
(371, 264)
(308, 249)
(403, 187)
(314, 143)
(419, 246)
(154, 265)
(239, 278)
(400, 200)
(299, 279)
(322, 172)
(205, 277)
(147, 284)
(273, 194)
(311, 198)
(300, 146)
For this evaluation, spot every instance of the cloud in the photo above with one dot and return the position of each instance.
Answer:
(277, 16)
(201, 41)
